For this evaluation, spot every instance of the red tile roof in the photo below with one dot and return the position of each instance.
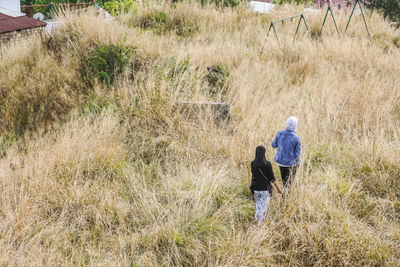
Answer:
(10, 24)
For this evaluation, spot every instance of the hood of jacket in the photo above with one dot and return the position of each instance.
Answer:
(291, 124)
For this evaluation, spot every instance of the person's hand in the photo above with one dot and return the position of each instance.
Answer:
(280, 191)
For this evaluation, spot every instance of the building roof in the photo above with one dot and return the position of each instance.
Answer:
(10, 24)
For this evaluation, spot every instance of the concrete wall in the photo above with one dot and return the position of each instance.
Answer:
(11, 8)
(220, 112)
(13, 5)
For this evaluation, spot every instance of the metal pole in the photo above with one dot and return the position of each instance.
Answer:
(270, 26)
(276, 35)
(365, 22)
(334, 21)
(298, 25)
(326, 15)
(262, 50)
(51, 10)
(351, 15)
(333, 17)
(305, 22)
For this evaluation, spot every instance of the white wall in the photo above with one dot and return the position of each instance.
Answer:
(11, 7)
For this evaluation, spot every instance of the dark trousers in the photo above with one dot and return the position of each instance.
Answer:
(287, 174)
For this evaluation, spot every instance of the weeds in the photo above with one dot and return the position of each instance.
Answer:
(396, 41)
(164, 23)
(216, 79)
(106, 62)
(110, 177)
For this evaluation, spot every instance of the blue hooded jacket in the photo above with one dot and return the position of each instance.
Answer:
(288, 144)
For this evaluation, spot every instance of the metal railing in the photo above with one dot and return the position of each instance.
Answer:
(49, 9)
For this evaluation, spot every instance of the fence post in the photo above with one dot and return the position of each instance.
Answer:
(51, 10)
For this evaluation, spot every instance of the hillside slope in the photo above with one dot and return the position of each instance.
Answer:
(98, 168)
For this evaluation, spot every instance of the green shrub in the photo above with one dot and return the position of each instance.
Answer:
(216, 79)
(183, 26)
(152, 20)
(106, 62)
(396, 41)
(163, 23)
(225, 3)
(117, 7)
(315, 32)
(383, 40)
(6, 141)
(390, 8)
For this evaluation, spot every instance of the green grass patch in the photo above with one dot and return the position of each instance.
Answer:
(105, 63)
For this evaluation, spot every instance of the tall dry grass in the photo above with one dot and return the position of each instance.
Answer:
(115, 176)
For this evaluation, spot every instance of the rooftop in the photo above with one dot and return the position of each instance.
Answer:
(10, 24)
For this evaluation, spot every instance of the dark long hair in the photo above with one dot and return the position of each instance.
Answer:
(260, 160)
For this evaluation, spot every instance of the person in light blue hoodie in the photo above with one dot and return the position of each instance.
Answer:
(288, 152)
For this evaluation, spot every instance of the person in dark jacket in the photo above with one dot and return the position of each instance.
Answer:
(262, 178)
(288, 152)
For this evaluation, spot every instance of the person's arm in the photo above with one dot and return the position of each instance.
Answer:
(271, 177)
(278, 189)
(275, 142)
(297, 152)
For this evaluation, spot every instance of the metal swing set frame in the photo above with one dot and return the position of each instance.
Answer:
(272, 26)
(302, 18)
(351, 15)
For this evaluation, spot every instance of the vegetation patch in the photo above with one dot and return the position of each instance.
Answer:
(112, 177)
(223, 3)
(163, 23)
(105, 63)
(216, 79)
(389, 8)
(116, 8)
(396, 41)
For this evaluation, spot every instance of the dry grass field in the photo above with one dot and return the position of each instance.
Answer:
(98, 168)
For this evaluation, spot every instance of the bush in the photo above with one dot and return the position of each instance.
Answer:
(154, 19)
(396, 41)
(216, 79)
(224, 3)
(163, 23)
(390, 8)
(117, 7)
(183, 26)
(106, 62)
(315, 32)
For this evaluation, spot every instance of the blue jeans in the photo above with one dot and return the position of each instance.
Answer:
(262, 199)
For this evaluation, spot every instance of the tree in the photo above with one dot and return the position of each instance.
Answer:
(390, 8)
